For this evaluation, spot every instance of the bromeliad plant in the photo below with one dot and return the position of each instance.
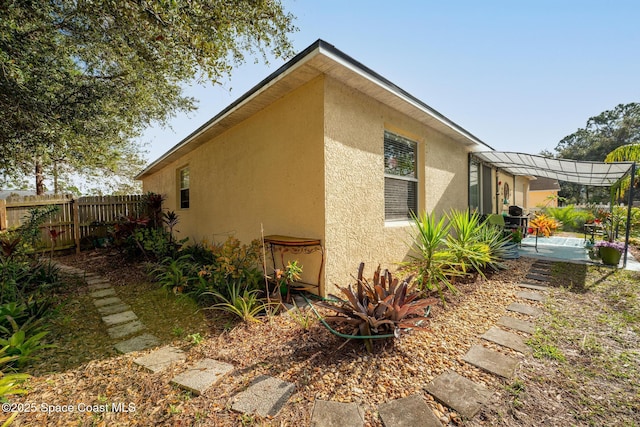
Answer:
(381, 307)
(544, 224)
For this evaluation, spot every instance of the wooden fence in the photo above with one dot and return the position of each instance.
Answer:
(77, 220)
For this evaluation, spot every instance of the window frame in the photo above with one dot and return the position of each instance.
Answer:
(184, 202)
(389, 135)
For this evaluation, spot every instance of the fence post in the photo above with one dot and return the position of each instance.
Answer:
(76, 224)
(3, 215)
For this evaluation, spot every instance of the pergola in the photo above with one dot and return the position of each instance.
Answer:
(597, 174)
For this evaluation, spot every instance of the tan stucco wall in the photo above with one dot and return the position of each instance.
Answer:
(354, 171)
(538, 198)
(267, 170)
(311, 165)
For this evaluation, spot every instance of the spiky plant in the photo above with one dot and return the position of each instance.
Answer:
(383, 306)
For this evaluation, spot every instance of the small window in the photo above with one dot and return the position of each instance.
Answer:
(400, 177)
(184, 188)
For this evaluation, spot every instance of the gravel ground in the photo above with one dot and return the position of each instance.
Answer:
(321, 365)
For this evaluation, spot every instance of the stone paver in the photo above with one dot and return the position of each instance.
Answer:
(202, 375)
(517, 324)
(541, 263)
(407, 412)
(459, 393)
(533, 287)
(506, 339)
(96, 280)
(161, 358)
(125, 329)
(527, 309)
(138, 343)
(336, 414)
(98, 286)
(113, 309)
(538, 278)
(541, 271)
(117, 318)
(491, 361)
(108, 292)
(107, 301)
(533, 296)
(265, 396)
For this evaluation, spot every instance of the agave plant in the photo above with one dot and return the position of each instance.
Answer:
(381, 307)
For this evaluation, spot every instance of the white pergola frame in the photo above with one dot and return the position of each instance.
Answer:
(597, 174)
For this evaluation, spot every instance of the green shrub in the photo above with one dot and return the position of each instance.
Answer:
(176, 274)
(500, 245)
(203, 270)
(432, 263)
(571, 218)
(228, 263)
(470, 251)
(21, 341)
(241, 302)
(10, 383)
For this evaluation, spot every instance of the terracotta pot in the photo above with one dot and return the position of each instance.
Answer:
(610, 256)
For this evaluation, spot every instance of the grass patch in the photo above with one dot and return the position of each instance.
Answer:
(591, 332)
(80, 335)
(570, 276)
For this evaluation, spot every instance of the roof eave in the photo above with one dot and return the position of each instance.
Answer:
(305, 56)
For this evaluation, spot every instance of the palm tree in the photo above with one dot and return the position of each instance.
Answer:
(625, 153)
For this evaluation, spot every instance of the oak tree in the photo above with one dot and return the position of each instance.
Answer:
(80, 79)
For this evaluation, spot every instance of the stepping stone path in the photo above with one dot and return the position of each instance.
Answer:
(506, 339)
(517, 324)
(538, 277)
(459, 393)
(491, 361)
(265, 396)
(141, 342)
(117, 315)
(338, 414)
(407, 412)
(202, 375)
(527, 309)
(533, 287)
(161, 358)
(463, 395)
(533, 296)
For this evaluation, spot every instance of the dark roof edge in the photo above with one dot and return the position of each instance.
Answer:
(329, 48)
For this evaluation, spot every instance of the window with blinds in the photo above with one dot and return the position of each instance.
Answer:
(400, 177)
(184, 188)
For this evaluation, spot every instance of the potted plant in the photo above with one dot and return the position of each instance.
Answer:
(609, 251)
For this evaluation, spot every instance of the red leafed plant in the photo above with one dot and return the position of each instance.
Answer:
(383, 306)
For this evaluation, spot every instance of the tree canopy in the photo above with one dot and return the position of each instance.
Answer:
(80, 79)
(602, 135)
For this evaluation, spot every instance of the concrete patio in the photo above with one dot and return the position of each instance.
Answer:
(571, 249)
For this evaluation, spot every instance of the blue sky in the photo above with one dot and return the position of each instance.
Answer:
(520, 75)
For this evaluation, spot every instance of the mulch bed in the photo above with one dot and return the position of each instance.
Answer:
(321, 365)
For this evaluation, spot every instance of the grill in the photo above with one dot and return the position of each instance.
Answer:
(515, 211)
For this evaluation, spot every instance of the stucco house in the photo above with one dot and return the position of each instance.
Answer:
(543, 192)
(325, 148)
